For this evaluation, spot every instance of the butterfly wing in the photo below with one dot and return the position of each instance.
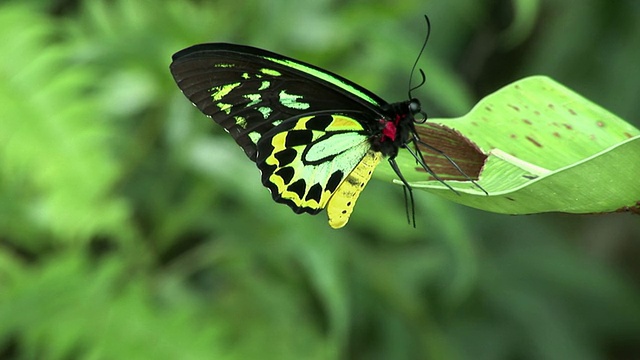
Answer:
(307, 129)
(250, 91)
(304, 160)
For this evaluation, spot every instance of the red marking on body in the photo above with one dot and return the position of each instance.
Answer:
(390, 129)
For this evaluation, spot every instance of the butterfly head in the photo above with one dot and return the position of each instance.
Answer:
(415, 109)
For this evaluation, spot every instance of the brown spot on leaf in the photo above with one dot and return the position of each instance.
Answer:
(556, 134)
(527, 121)
(572, 112)
(533, 141)
(634, 209)
(568, 126)
(551, 106)
(628, 135)
(514, 107)
(600, 124)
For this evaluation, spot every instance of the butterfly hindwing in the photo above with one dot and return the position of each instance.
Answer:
(341, 204)
(305, 160)
(250, 91)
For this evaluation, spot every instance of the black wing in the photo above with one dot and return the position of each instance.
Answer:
(250, 91)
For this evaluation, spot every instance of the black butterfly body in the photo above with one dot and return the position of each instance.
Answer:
(315, 136)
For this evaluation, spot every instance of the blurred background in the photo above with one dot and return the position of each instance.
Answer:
(132, 227)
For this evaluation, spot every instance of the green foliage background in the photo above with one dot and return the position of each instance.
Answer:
(131, 227)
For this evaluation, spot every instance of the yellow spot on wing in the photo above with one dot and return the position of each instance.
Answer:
(218, 92)
(341, 204)
(292, 101)
(254, 136)
(265, 85)
(344, 123)
(339, 123)
(225, 107)
(241, 121)
(270, 72)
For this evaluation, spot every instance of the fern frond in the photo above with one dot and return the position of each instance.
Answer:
(56, 170)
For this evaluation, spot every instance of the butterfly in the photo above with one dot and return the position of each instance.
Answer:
(315, 136)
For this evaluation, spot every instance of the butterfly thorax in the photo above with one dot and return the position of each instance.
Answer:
(395, 129)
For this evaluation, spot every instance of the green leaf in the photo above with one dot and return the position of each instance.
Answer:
(56, 168)
(546, 147)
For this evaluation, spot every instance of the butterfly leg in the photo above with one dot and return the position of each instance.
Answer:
(406, 188)
(419, 159)
(417, 140)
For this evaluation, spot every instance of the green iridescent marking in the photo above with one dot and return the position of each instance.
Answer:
(270, 72)
(291, 101)
(326, 77)
(254, 136)
(245, 76)
(255, 99)
(264, 86)
(224, 107)
(224, 65)
(276, 123)
(218, 92)
(240, 121)
(266, 111)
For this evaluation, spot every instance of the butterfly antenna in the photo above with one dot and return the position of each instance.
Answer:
(422, 81)
(415, 64)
